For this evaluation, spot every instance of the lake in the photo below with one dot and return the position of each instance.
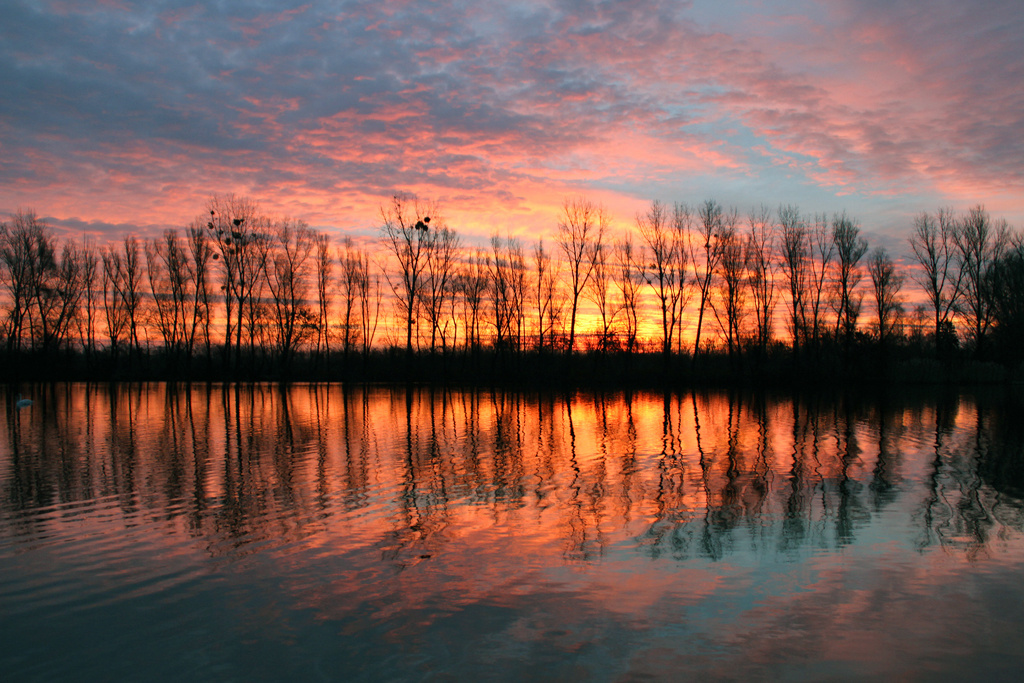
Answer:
(322, 532)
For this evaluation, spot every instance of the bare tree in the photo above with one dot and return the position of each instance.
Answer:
(794, 256)
(705, 255)
(886, 284)
(25, 252)
(160, 291)
(353, 276)
(324, 269)
(87, 321)
(56, 295)
(253, 281)
(517, 259)
(628, 278)
(850, 249)
(240, 240)
(1006, 289)
(369, 303)
(287, 271)
(507, 286)
(665, 267)
(473, 282)
(131, 290)
(360, 299)
(547, 302)
(599, 291)
(729, 304)
(979, 243)
(934, 248)
(580, 229)
(179, 277)
(820, 264)
(199, 316)
(408, 234)
(439, 282)
(169, 279)
(760, 248)
(114, 308)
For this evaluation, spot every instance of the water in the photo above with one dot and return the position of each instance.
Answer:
(321, 533)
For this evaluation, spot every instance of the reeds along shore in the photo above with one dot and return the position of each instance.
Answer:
(685, 294)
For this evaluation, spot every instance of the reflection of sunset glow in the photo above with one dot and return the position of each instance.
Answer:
(547, 522)
(595, 465)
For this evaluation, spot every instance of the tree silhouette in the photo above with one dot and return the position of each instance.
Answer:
(580, 230)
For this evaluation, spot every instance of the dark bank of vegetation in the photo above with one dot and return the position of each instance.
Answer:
(689, 295)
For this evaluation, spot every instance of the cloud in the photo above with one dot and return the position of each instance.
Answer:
(321, 109)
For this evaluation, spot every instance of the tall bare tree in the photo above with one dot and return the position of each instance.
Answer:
(599, 291)
(56, 297)
(324, 270)
(547, 302)
(159, 288)
(114, 307)
(794, 255)
(170, 284)
(25, 253)
(369, 303)
(886, 284)
(507, 269)
(131, 290)
(729, 304)
(287, 273)
(581, 228)
(353, 278)
(408, 233)
(438, 288)
(819, 266)
(87, 321)
(239, 234)
(705, 254)
(850, 249)
(760, 249)
(628, 278)
(200, 309)
(979, 242)
(934, 248)
(473, 282)
(664, 263)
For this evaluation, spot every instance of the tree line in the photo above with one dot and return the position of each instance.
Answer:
(238, 293)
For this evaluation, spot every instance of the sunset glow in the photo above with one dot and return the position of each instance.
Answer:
(126, 117)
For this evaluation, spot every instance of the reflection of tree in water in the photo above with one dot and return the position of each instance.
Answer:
(508, 484)
(852, 512)
(935, 513)
(422, 512)
(586, 488)
(673, 511)
(970, 484)
(1002, 464)
(885, 477)
(701, 474)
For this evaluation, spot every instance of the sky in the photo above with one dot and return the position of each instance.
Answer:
(119, 116)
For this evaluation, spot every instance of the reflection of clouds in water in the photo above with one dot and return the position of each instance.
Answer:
(694, 475)
(589, 535)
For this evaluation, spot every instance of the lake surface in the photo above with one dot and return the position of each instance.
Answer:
(328, 533)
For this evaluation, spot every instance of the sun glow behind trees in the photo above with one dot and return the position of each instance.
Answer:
(251, 287)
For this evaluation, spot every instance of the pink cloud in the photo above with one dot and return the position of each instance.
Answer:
(504, 107)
